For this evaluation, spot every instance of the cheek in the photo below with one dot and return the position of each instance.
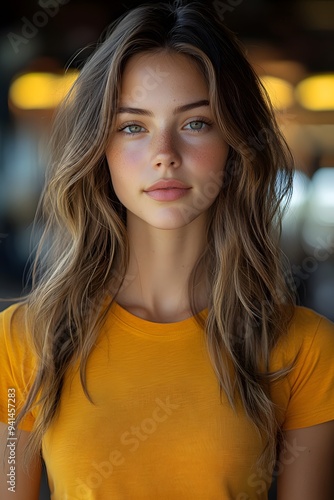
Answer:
(125, 162)
(210, 160)
(123, 167)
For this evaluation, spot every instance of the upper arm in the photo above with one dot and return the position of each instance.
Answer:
(306, 464)
(27, 483)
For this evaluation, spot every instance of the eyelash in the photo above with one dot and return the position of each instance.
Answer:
(121, 129)
(200, 120)
(133, 124)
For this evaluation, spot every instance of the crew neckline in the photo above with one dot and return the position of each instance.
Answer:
(152, 328)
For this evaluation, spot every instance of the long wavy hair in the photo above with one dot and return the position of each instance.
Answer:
(85, 237)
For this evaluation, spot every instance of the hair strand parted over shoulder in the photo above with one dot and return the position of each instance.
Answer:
(85, 238)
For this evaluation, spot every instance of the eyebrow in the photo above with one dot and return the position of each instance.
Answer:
(179, 109)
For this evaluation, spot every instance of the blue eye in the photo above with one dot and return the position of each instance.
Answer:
(197, 125)
(132, 129)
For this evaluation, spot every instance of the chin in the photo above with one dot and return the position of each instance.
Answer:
(171, 221)
(165, 218)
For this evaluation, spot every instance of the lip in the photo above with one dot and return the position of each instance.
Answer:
(167, 190)
(167, 184)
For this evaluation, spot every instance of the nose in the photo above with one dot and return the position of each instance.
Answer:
(165, 151)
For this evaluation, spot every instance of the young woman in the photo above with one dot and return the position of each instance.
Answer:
(159, 354)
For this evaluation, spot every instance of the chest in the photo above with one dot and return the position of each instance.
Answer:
(156, 412)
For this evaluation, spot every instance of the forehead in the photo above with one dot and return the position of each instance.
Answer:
(153, 75)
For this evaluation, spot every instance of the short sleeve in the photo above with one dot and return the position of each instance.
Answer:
(311, 382)
(17, 366)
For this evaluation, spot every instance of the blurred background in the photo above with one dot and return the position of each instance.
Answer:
(291, 46)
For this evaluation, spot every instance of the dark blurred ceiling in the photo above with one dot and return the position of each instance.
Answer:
(296, 29)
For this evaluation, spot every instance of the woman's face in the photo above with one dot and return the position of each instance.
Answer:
(165, 133)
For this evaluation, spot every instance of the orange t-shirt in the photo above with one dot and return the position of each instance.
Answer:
(157, 428)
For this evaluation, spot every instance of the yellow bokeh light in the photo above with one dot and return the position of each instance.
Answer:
(40, 90)
(280, 91)
(316, 93)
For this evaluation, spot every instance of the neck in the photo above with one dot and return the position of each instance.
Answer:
(160, 265)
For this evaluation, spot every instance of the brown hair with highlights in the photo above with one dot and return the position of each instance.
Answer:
(85, 238)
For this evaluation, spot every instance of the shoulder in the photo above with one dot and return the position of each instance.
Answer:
(11, 315)
(308, 332)
(13, 323)
(306, 320)
(17, 360)
(306, 393)
(15, 342)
